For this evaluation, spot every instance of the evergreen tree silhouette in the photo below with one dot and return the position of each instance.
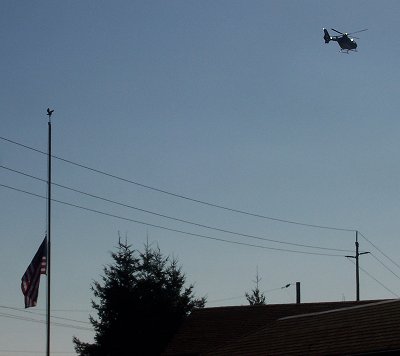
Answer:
(140, 302)
(256, 297)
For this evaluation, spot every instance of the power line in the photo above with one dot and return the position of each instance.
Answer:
(170, 229)
(173, 218)
(68, 310)
(379, 282)
(197, 201)
(214, 205)
(36, 352)
(243, 296)
(390, 259)
(225, 299)
(40, 314)
(395, 274)
(23, 318)
(375, 279)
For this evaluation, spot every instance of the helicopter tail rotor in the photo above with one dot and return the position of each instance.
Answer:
(327, 37)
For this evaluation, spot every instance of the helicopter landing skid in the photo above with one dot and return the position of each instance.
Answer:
(346, 51)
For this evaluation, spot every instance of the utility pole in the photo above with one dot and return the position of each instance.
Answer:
(357, 267)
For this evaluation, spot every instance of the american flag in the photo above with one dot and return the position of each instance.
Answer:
(31, 278)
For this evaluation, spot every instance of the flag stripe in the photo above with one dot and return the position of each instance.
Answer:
(31, 279)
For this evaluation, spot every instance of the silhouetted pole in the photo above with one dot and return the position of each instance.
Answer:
(48, 233)
(298, 292)
(357, 267)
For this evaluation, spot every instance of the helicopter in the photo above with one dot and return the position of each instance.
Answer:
(345, 42)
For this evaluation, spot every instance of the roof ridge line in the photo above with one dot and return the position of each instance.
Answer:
(340, 309)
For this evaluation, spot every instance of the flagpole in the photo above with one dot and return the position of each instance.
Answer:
(48, 236)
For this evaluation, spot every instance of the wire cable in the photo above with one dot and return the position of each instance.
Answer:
(379, 282)
(173, 218)
(375, 279)
(18, 317)
(243, 296)
(214, 205)
(194, 200)
(170, 229)
(384, 254)
(41, 314)
(395, 274)
(19, 352)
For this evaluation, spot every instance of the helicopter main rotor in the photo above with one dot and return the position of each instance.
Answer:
(348, 34)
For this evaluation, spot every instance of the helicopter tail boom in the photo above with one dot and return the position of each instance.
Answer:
(327, 37)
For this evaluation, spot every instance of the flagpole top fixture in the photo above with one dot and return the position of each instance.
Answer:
(49, 113)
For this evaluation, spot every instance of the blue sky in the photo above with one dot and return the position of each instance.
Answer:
(235, 103)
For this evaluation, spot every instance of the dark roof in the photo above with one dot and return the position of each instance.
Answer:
(358, 330)
(210, 328)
